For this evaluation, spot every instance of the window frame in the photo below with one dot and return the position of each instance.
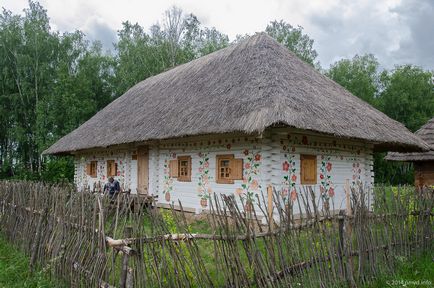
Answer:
(224, 180)
(308, 157)
(184, 178)
(93, 169)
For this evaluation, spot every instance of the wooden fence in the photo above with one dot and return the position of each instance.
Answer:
(90, 240)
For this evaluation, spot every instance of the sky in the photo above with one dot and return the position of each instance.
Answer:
(397, 32)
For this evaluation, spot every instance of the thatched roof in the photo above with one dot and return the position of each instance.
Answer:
(246, 88)
(426, 133)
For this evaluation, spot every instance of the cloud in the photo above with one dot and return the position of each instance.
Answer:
(355, 27)
(395, 31)
(418, 47)
(97, 30)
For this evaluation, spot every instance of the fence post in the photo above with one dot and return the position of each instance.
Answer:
(270, 203)
(37, 241)
(348, 236)
(341, 243)
(124, 273)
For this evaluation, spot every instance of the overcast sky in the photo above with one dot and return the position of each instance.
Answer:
(395, 31)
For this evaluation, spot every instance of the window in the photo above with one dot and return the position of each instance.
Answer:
(180, 168)
(184, 168)
(228, 169)
(308, 169)
(112, 168)
(91, 168)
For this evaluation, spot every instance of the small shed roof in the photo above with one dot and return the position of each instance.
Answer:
(246, 88)
(426, 133)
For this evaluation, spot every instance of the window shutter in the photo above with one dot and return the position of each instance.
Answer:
(308, 169)
(173, 168)
(93, 168)
(111, 168)
(190, 168)
(237, 169)
(88, 169)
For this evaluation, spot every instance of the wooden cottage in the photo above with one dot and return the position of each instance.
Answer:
(236, 121)
(423, 161)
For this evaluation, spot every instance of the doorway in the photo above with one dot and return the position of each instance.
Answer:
(142, 169)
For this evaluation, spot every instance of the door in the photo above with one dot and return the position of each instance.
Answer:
(142, 169)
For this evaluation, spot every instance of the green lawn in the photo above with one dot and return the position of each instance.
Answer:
(14, 269)
(417, 272)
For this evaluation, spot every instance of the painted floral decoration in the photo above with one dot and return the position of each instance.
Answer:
(289, 178)
(357, 171)
(168, 181)
(203, 187)
(250, 185)
(326, 188)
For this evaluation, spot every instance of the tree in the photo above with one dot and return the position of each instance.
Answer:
(294, 39)
(50, 84)
(359, 75)
(174, 26)
(139, 55)
(408, 95)
(180, 40)
(28, 52)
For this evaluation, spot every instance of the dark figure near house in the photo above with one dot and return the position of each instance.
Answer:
(112, 187)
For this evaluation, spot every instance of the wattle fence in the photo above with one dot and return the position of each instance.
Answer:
(89, 240)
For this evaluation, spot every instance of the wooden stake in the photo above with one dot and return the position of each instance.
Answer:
(270, 202)
(36, 243)
(124, 273)
(348, 234)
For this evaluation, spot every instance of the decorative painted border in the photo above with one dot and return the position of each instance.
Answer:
(357, 172)
(289, 180)
(251, 184)
(326, 185)
(203, 188)
(167, 180)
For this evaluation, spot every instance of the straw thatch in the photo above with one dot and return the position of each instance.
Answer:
(246, 88)
(426, 133)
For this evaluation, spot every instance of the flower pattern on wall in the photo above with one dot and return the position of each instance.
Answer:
(168, 181)
(289, 177)
(357, 171)
(203, 188)
(250, 185)
(326, 186)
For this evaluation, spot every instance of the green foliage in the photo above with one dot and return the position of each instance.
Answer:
(410, 272)
(293, 39)
(14, 270)
(359, 75)
(58, 169)
(169, 220)
(179, 40)
(408, 96)
(50, 84)
(392, 172)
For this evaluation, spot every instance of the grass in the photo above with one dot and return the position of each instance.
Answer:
(14, 269)
(415, 272)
